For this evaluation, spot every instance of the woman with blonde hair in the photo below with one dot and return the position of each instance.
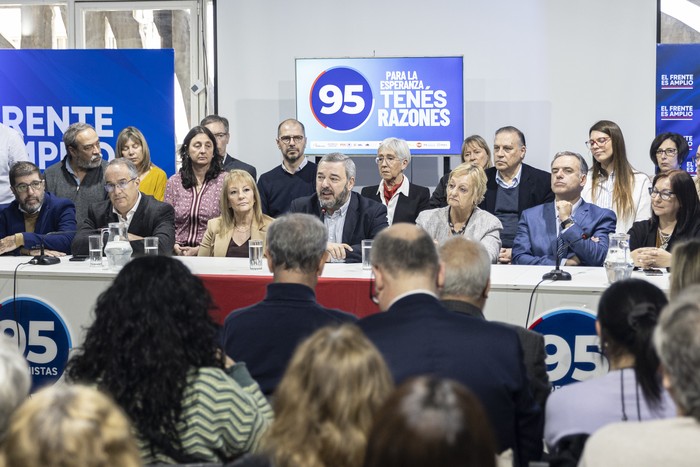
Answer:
(132, 145)
(685, 266)
(66, 425)
(241, 218)
(325, 404)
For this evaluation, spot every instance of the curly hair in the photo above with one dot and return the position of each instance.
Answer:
(325, 403)
(152, 329)
(186, 172)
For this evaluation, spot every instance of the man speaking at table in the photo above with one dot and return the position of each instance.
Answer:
(349, 217)
(569, 228)
(34, 213)
(144, 215)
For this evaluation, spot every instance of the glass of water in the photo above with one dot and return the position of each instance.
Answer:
(255, 254)
(95, 244)
(150, 246)
(366, 253)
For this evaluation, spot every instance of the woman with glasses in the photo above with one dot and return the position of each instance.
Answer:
(474, 150)
(668, 151)
(403, 200)
(195, 191)
(132, 144)
(675, 216)
(612, 183)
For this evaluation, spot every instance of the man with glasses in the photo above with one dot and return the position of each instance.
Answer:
(219, 127)
(294, 178)
(403, 200)
(12, 150)
(79, 175)
(143, 214)
(512, 186)
(25, 223)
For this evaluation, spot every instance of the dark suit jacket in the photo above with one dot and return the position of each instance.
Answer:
(152, 218)
(365, 219)
(232, 164)
(643, 234)
(407, 207)
(56, 215)
(532, 344)
(536, 239)
(417, 336)
(535, 188)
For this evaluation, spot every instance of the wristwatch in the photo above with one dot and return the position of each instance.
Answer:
(566, 224)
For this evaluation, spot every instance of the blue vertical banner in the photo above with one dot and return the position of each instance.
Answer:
(677, 65)
(42, 92)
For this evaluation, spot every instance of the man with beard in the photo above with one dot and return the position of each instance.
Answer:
(349, 217)
(79, 175)
(34, 213)
(294, 177)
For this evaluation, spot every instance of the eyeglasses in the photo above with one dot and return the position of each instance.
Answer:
(670, 152)
(664, 194)
(288, 139)
(35, 185)
(389, 159)
(121, 184)
(220, 135)
(372, 291)
(598, 141)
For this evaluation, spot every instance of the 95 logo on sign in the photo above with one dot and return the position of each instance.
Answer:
(341, 99)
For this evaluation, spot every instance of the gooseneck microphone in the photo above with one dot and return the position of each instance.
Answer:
(557, 274)
(42, 259)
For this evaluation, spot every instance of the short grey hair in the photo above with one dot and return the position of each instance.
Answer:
(467, 267)
(350, 169)
(581, 160)
(397, 146)
(71, 134)
(14, 380)
(405, 254)
(297, 242)
(123, 161)
(677, 341)
(213, 118)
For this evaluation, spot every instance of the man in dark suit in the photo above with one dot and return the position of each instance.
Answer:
(219, 128)
(417, 335)
(567, 228)
(403, 200)
(144, 215)
(512, 186)
(265, 335)
(349, 217)
(466, 288)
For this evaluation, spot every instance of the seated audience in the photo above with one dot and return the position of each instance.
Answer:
(568, 228)
(612, 183)
(512, 186)
(33, 214)
(70, 426)
(675, 216)
(429, 422)
(466, 288)
(153, 348)
(143, 214)
(265, 335)
(219, 127)
(462, 216)
(627, 313)
(195, 191)
(668, 152)
(326, 401)
(349, 217)
(403, 200)
(132, 144)
(14, 380)
(476, 150)
(241, 218)
(417, 335)
(685, 264)
(673, 441)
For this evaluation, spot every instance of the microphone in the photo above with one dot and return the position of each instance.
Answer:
(557, 274)
(42, 259)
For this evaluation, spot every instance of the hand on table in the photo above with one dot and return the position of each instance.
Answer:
(651, 257)
(337, 250)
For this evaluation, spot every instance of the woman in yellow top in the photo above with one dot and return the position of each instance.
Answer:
(132, 144)
(241, 219)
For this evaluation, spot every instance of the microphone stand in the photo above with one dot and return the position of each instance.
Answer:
(42, 260)
(557, 274)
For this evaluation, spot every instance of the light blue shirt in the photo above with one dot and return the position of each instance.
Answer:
(335, 223)
(513, 183)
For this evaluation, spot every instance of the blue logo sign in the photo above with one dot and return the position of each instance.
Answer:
(341, 99)
(41, 335)
(572, 346)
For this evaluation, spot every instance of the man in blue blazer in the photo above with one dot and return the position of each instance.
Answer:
(33, 214)
(349, 217)
(569, 227)
(417, 335)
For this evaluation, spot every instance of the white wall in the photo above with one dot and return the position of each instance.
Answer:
(550, 67)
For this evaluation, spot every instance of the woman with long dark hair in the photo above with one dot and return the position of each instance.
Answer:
(153, 348)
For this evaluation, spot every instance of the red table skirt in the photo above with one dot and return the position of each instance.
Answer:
(233, 292)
